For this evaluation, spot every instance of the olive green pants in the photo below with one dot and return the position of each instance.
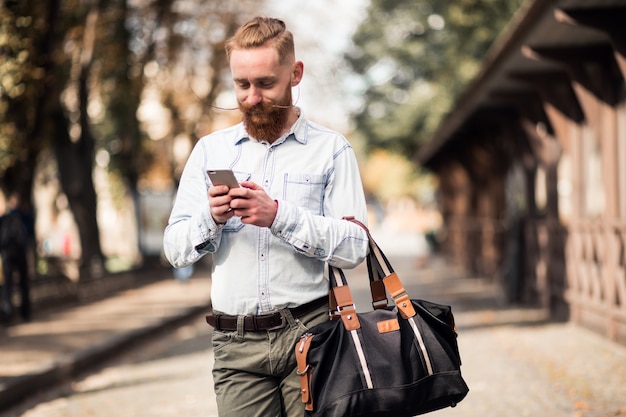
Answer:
(255, 371)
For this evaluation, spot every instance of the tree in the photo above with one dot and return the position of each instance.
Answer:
(26, 68)
(414, 58)
(73, 74)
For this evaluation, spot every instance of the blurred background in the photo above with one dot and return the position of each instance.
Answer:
(491, 138)
(491, 129)
(102, 101)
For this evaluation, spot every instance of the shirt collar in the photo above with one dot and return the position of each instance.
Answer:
(298, 131)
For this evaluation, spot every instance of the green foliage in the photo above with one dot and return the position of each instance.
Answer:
(74, 75)
(415, 57)
(16, 71)
(43, 60)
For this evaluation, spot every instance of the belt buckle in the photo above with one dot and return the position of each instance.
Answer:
(283, 322)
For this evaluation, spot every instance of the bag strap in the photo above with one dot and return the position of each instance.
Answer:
(378, 254)
(376, 264)
(375, 271)
(377, 287)
(340, 299)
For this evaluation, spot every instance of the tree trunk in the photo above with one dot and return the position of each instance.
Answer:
(75, 165)
(75, 161)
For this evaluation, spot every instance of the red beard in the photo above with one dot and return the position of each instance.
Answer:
(266, 121)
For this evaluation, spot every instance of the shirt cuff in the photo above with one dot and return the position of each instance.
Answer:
(284, 213)
(207, 234)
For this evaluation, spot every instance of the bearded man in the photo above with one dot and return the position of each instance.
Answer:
(272, 236)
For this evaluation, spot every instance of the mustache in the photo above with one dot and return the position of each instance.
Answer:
(262, 107)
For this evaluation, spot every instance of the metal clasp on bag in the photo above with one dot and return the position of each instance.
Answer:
(300, 373)
(303, 339)
(340, 309)
(350, 320)
(334, 315)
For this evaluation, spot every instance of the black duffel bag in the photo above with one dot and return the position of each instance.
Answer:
(397, 361)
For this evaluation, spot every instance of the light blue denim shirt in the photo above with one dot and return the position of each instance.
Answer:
(313, 173)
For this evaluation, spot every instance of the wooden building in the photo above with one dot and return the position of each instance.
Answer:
(531, 163)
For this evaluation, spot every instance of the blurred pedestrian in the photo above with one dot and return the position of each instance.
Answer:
(271, 235)
(14, 241)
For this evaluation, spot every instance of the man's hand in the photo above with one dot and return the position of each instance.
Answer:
(219, 203)
(252, 204)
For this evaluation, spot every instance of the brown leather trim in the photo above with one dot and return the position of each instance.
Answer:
(343, 296)
(387, 326)
(346, 307)
(304, 370)
(399, 294)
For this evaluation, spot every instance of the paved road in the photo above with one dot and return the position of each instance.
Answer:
(515, 362)
(167, 376)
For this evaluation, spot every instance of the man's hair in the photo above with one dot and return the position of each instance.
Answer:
(259, 32)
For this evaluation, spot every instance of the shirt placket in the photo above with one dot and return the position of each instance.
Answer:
(265, 303)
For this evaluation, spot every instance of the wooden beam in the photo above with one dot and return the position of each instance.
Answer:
(554, 87)
(607, 19)
(527, 103)
(593, 66)
(487, 143)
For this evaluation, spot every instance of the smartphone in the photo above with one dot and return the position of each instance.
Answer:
(223, 177)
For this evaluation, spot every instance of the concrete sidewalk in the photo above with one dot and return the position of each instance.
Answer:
(516, 361)
(56, 345)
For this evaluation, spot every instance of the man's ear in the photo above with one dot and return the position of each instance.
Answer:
(298, 71)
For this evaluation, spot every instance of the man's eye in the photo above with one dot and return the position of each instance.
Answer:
(265, 84)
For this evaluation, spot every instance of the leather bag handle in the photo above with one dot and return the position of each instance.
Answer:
(340, 299)
(377, 262)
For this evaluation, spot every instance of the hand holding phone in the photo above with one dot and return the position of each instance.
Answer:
(252, 204)
(223, 177)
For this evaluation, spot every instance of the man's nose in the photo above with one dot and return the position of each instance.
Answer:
(254, 96)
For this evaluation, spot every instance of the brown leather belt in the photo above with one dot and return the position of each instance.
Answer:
(272, 321)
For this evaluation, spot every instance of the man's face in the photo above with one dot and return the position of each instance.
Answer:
(263, 88)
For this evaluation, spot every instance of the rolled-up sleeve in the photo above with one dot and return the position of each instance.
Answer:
(191, 231)
(340, 243)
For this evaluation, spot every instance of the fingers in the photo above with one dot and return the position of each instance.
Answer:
(218, 190)
(219, 203)
(251, 185)
(259, 209)
(222, 213)
(250, 202)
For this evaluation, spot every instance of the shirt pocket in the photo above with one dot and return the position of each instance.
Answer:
(241, 175)
(305, 190)
(233, 224)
